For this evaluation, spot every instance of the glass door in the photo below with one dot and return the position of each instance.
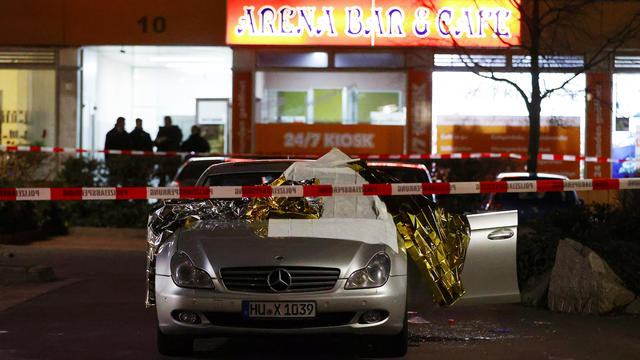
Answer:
(212, 116)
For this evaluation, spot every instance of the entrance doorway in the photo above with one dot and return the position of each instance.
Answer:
(151, 82)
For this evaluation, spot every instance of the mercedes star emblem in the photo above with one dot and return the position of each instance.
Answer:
(279, 280)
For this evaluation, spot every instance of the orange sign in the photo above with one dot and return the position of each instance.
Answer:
(320, 138)
(505, 134)
(471, 23)
(598, 129)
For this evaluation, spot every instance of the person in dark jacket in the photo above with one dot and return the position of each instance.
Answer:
(169, 136)
(168, 139)
(195, 142)
(140, 139)
(117, 139)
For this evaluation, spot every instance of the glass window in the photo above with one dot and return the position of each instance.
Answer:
(327, 105)
(341, 97)
(292, 106)
(626, 137)
(358, 60)
(27, 107)
(304, 60)
(377, 107)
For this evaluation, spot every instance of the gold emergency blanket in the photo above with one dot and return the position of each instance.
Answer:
(285, 207)
(435, 239)
(438, 251)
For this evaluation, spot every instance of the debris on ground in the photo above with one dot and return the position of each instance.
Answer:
(542, 323)
(500, 331)
(417, 319)
(463, 331)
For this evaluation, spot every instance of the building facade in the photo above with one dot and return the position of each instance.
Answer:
(383, 77)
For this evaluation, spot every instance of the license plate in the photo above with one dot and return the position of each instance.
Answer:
(279, 309)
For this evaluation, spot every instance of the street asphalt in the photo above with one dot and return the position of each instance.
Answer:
(96, 311)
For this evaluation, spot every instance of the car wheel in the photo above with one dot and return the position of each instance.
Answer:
(390, 346)
(174, 345)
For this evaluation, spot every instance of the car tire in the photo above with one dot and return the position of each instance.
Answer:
(174, 345)
(390, 346)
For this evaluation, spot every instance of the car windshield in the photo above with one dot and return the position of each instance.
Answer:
(405, 174)
(190, 173)
(241, 179)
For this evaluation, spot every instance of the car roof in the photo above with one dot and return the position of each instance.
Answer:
(529, 176)
(207, 158)
(396, 164)
(245, 166)
(249, 166)
(233, 165)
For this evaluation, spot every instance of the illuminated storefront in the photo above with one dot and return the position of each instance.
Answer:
(353, 74)
(27, 98)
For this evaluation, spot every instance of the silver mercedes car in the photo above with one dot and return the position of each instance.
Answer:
(344, 273)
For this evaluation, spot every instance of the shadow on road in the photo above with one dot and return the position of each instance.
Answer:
(277, 347)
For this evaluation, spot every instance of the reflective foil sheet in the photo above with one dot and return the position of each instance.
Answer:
(283, 207)
(192, 214)
(435, 239)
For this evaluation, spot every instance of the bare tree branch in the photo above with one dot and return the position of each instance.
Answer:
(606, 50)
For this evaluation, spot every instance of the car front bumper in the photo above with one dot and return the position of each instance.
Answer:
(338, 310)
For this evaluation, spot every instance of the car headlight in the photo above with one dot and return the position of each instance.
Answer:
(185, 274)
(375, 274)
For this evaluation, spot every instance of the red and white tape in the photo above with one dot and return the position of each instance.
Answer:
(483, 155)
(46, 149)
(231, 192)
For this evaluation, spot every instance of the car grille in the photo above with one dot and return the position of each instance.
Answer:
(321, 320)
(303, 279)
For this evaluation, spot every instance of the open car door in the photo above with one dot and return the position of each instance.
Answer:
(490, 272)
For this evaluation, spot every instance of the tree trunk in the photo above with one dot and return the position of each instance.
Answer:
(534, 105)
(534, 131)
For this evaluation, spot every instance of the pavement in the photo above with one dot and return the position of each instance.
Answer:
(96, 311)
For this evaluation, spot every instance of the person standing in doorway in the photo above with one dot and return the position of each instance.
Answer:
(140, 139)
(117, 139)
(169, 136)
(195, 142)
(168, 139)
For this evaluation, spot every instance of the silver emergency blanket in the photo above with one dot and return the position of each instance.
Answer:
(218, 212)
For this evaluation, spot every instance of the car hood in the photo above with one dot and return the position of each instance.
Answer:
(239, 246)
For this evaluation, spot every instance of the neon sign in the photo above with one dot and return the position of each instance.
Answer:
(477, 23)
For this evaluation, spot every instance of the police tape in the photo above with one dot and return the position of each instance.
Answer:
(261, 191)
(230, 156)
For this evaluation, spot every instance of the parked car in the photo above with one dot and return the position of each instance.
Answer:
(530, 204)
(335, 275)
(404, 172)
(190, 170)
